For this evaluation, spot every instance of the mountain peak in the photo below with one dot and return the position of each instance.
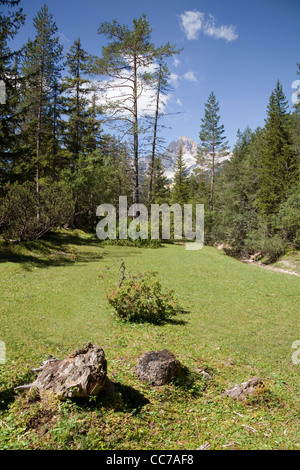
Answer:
(189, 154)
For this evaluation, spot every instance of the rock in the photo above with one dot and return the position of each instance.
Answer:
(158, 367)
(224, 246)
(205, 374)
(81, 375)
(240, 392)
(205, 446)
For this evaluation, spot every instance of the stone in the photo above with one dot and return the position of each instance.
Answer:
(242, 391)
(158, 367)
(80, 375)
(205, 374)
(205, 446)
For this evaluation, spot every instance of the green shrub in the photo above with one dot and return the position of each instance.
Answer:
(24, 216)
(270, 247)
(143, 299)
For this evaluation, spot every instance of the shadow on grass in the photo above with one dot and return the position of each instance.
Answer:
(171, 320)
(191, 383)
(119, 397)
(133, 400)
(6, 398)
(55, 249)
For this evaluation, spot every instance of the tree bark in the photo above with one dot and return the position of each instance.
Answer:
(135, 136)
(154, 139)
(38, 142)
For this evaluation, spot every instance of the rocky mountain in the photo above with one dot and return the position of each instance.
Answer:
(189, 153)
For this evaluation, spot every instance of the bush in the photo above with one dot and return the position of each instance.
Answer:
(144, 300)
(270, 247)
(25, 217)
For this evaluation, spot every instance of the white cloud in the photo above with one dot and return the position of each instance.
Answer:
(119, 92)
(222, 32)
(63, 38)
(192, 22)
(176, 62)
(190, 76)
(174, 79)
(179, 102)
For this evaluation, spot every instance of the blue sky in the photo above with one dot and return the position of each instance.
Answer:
(236, 48)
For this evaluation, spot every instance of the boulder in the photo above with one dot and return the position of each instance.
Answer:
(158, 367)
(242, 391)
(82, 374)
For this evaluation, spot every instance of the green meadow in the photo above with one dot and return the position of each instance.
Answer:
(239, 321)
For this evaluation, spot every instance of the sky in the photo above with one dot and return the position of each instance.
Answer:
(238, 49)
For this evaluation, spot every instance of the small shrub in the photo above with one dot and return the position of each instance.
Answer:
(143, 299)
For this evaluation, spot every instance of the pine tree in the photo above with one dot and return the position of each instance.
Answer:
(81, 126)
(56, 155)
(10, 22)
(123, 62)
(295, 124)
(236, 190)
(93, 136)
(180, 190)
(278, 168)
(41, 68)
(212, 140)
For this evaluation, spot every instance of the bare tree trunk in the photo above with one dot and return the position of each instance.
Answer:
(135, 138)
(212, 183)
(151, 172)
(38, 142)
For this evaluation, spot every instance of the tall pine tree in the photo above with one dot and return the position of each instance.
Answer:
(212, 141)
(11, 19)
(278, 166)
(81, 128)
(180, 190)
(122, 66)
(41, 68)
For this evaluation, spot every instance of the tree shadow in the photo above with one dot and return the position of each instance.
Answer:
(167, 320)
(133, 400)
(118, 397)
(56, 249)
(6, 398)
(28, 262)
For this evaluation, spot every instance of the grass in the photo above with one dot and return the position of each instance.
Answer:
(240, 321)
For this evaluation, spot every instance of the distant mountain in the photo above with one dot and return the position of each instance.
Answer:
(189, 153)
